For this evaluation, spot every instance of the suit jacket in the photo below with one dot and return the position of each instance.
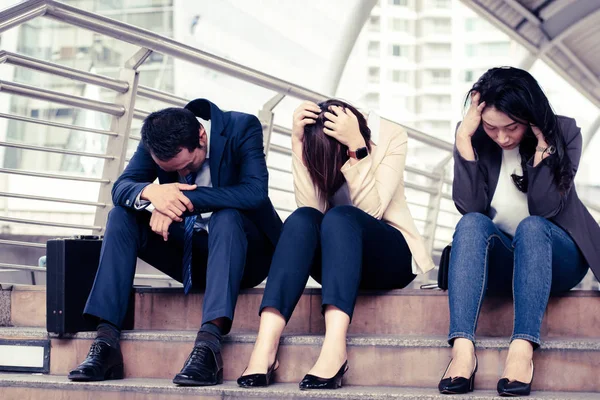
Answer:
(237, 167)
(475, 183)
(376, 186)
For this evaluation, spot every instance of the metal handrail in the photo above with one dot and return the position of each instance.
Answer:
(64, 71)
(49, 223)
(52, 199)
(52, 176)
(54, 150)
(57, 97)
(119, 30)
(22, 244)
(23, 267)
(56, 124)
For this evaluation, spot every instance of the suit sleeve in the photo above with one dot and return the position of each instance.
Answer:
(252, 188)
(140, 172)
(370, 190)
(543, 196)
(469, 187)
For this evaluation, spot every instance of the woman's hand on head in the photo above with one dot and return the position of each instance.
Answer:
(472, 119)
(538, 135)
(342, 125)
(306, 114)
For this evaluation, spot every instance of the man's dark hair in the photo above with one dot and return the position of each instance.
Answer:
(167, 131)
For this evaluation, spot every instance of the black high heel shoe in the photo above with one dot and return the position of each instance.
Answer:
(258, 380)
(515, 388)
(316, 382)
(458, 385)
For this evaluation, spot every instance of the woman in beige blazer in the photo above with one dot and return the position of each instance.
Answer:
(352, 230)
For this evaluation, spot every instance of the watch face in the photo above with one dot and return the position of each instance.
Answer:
(362, 153)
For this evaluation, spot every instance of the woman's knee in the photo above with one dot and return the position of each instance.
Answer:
(474, 223)
(532, 226)
(341, 218)
(303, 221)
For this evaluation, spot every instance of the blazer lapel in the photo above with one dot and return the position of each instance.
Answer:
(493, 170)
(208, 111)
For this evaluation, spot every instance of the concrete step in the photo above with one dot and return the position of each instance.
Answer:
(403, 312)
(377, 360)
(25, 387)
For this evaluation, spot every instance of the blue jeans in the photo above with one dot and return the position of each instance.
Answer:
(541, 259)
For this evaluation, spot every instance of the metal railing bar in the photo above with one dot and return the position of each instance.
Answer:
(421, 188)
(61, 70)
(155, 276)
(280, 189)
(54, 150)
(21, 13)
(56, 124)
(57, 97)
(280, 149)
(22, 244)
(140, 114)
(49, 223)
(52, 176)
(279, 169)
(159, 95)
(22, 267)
(418, 171)
(443, 226)
(280, 208)
(135, 137)
(52, 199)
(170, 47)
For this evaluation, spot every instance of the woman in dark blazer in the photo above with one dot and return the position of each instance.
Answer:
(524, 229)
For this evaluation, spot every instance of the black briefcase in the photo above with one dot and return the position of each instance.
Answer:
(71, 266)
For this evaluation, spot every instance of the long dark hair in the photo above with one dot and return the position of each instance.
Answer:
(516, 93)
(323, 155)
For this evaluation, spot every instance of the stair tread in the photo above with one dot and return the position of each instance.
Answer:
(277, 390)
(311, 339)
(316, 290)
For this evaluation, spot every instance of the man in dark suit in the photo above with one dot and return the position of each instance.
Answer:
(212, 227)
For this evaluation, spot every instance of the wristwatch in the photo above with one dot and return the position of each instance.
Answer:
(359, 154)
(549, 149)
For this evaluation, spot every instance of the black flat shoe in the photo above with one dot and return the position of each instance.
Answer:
(258, 380)
(103, 362)
(204, 367)
(315, 382)
(515, 388)
(457, 385)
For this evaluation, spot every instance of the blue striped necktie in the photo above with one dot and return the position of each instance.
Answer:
(187, 244)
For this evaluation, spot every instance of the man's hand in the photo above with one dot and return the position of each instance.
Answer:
(168, 199)
(160, 223)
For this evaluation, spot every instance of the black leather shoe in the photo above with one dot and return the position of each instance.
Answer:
(258, 380)
(204, 367)
(457, 385)
(102, 362)
(315, 382)
(515, 388)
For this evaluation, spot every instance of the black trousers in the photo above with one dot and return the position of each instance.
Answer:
(344, 250)
(234, 255)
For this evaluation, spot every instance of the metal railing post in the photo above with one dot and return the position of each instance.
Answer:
(117, 145)
(265, 115)
(435, 200)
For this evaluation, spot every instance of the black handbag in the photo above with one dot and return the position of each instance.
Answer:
(442, 278)
(443, 270)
